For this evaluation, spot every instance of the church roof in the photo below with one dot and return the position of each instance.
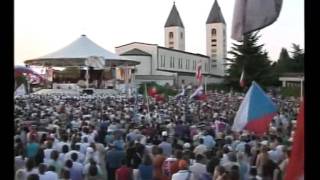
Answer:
(135, 51)
(215, 15)
(174, 18)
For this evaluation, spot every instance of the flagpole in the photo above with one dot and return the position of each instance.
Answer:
(87, 77)
(205, 85)
(301, 88)
(147, 98)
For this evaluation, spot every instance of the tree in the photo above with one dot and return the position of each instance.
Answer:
(284, 62)
(251, 57)
(297, 58)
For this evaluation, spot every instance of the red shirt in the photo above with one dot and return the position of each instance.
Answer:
(124, 173)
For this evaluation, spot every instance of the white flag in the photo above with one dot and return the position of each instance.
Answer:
(20, 91)
(197, 92)
(95, 62)
(252, 15)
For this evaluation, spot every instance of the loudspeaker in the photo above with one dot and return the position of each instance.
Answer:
(87, 91)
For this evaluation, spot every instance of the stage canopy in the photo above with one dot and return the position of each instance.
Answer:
(77, 52)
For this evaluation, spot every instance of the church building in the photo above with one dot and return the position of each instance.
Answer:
(171, 63)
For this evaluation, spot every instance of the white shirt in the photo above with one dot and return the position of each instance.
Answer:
(68, 156)
(47, 154)
(49, 175)
(182, 175)
(197, 170)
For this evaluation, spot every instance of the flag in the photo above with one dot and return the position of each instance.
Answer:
(198, 94)
(199, 73)
(242, 83)
(255, 112)
(21, 90)
(295, 168)
(181, 94)
(95, 62)
(252, 15)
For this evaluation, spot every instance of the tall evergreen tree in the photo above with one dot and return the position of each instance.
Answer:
(250, 56)
(284, 62)
(297, 58)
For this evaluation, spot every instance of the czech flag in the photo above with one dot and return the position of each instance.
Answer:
(256, 111)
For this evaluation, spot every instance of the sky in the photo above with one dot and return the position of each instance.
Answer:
(44, 26)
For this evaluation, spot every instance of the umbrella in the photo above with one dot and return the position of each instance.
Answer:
(22, 69)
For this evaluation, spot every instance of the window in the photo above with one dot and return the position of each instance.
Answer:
(170, 35)
(213, 40)
(187, 63)
(213, 32)
(194, 65)
(162, 61)
(213, 56)
(213, 45)
(213, 50)
(180, 63)
(181, 35)
(171, 43)
(171, 62)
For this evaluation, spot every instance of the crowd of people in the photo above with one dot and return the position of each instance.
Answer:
(91, 137)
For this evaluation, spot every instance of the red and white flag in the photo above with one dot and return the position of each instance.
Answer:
(242, 83)
(199, 73)
(295, 168)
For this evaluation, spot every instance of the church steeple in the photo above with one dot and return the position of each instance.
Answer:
(215, 15)
(216, 39)
(174, 18)
(174, 30)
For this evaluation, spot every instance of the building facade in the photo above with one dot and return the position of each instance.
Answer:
(172, 64)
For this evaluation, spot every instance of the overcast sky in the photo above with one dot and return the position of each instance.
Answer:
(44, 26)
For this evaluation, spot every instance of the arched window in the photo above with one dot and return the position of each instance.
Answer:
(181, 35)
(213, 32)
(170, 35)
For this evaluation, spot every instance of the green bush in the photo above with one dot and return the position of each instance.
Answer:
(290, 91)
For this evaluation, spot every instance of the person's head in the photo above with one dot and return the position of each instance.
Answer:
(42, 168)
(74, 157)
(49, 144)
(183, 165)
(33, 177)
(54, 155)
(69, 163)
(147, 160)
(232, 156)
(93, 170)
(234, 173)
(178, 154)
(20, 174)
(65, 173)
(220, 170)
(212, 164)
(51, 168)
(199, 158)
(65, 149)
(201, 141)
(30, 164)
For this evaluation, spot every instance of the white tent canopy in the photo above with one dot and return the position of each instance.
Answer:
(77, 52)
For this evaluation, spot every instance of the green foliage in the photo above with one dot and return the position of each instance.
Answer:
(71, 72)
(251, 57)
(290, 91)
